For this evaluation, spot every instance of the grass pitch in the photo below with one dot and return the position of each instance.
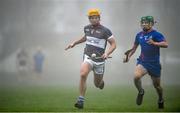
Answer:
(62, 99)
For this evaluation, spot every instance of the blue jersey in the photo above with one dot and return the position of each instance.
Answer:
(149, 53)
(39, 59)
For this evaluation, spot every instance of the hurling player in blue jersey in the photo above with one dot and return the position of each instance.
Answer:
(148, 62)
(96, 37)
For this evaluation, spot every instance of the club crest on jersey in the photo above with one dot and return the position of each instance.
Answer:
(141, 37)
(92, 31)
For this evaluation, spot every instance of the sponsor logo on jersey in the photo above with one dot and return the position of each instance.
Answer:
(145, 37)
(87, 30)
(98, 31)
(96, 42)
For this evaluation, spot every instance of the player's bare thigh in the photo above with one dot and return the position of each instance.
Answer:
(85, 69)
(140, 71)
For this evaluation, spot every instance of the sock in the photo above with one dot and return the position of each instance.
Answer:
(81, 98)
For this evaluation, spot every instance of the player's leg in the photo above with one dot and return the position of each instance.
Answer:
(98, 80)
(157, 86)
(140, 71)
(98, 76)
(84, 71)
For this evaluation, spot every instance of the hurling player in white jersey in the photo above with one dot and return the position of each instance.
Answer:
(96, 37)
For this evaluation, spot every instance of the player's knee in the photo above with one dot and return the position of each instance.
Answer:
(83, 74)
(137, 77)
(158, 88)
(156, 85)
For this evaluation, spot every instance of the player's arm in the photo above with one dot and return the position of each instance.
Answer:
(112, 47)
(133, 50)
(76, 42)
(162, 44)
(129, 53)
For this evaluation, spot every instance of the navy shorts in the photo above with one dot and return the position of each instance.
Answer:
(153, 68)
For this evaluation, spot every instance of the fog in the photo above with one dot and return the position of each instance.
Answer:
(52, 24)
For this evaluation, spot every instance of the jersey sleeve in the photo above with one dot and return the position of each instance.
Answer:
(84, 30)
(136, 42)
(108, 34)
(159, 37)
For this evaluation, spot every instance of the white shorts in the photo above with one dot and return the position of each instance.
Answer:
(97, 67)
(22, 68)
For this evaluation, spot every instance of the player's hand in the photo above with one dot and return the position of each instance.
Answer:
(70, 46)
(151, 42)
(105, 56)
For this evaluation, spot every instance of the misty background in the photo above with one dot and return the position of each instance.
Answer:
(53, 24)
